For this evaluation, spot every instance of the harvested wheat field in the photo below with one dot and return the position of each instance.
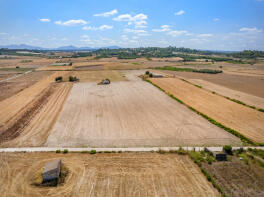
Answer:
(248, 84)
(36, 132)
(97, 76)
(17, 84)
(233, 94)
(106, 174)
(247, 121)
(130, 114)
(18, 109)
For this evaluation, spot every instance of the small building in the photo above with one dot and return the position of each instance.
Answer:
(219, 156)
(51, 171)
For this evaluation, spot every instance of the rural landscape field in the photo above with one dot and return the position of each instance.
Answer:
(135, 98)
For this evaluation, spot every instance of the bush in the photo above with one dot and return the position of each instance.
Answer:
(93, 152)
(70, 63)
(58, 78)
(17, 67)
(65, 151)
(71, 78)
(58, 151)
(147, 72)
(181, 151)
(228, 149)
(150, 75)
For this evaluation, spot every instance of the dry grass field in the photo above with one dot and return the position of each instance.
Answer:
(247, 121)
(18, 109)
(36, 132)
(106, 174)
(13, 86)
(248, 84)
(130, 114)
(227, 92)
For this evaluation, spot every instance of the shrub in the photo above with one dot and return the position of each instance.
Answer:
(147, 72)
(228, 149)
(71, 78)
(93, 152)
(17, 67)
(150, 75)
(58, 78)
(70, 63)
(65, 151)
(181, 151)
(58, 151)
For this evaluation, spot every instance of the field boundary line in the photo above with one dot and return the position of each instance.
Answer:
(129, 149)
(228, 98)
(218, 124)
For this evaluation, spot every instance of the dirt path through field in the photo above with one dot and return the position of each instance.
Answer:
(106, 174)
(245, 120)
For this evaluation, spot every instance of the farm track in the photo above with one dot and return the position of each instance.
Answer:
(247, 121)
(106, 174)
(38, 129)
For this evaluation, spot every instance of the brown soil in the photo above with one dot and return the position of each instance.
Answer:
(13, 86)
(248, 84)
(13, 107)
(108, 174)
(238, 179)
(245, 120)
(38, 129)
(13, 129)
(130, 114)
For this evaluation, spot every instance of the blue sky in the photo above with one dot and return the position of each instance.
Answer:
(200, 24)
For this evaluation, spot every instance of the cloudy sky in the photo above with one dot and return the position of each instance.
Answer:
(200, 24)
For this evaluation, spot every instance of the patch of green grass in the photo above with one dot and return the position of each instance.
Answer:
(136, 63)
(16, 69)
(198, 86)
(196, 157)
(189, 70)
(65, 151)
(58, 151)
(93, 152)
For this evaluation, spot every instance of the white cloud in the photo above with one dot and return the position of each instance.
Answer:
(138, 20)
(181, 12)
(3, 33)
(250, 30)
(102, 27)
(139, 32)
(216, 19)
(204, 35)
(162, 29)
(107, 14)
(124, 37)
(71, 22)
(176, 33)
(44, 20)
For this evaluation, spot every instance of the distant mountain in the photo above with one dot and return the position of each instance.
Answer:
(22, 46)
(62, 48)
